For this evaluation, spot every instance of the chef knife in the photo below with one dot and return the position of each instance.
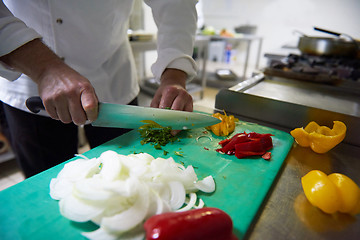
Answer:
(128, 116)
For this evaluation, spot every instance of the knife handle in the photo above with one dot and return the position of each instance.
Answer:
(34, 104)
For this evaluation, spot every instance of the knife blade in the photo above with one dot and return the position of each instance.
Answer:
(129, 116)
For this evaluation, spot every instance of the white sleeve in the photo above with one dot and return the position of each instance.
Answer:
(176, 21)
(13, 34)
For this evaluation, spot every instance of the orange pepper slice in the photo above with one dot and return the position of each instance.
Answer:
(225, 127)
(332, 193)
(320, 139)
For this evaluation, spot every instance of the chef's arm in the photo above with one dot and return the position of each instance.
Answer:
(67, 96)
(176, 22)
(13, 34)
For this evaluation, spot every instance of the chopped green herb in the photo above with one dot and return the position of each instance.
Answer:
(165, 153)
(177, 153)
(155, 134)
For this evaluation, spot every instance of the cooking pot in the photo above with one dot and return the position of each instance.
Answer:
(327, 46)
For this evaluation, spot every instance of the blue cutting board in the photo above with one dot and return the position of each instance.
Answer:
(28, 212)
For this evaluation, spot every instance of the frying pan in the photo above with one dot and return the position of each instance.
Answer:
(327, 46)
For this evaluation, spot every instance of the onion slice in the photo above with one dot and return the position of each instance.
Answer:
(206, 185)
(190, 204)
(178, 195)
(131, 217)
(76, 210)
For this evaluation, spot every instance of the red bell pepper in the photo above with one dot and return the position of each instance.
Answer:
(266, 156)
(244, 145)
(228, 147)
(258, 135)
(198, 224)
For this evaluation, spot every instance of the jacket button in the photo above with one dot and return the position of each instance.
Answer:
(59, 21)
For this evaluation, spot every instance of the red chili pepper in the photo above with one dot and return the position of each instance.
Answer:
(244, 145)
(266, 156)
(198, 224)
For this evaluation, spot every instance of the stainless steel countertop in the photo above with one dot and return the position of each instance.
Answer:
(320, 96)
(286, 213)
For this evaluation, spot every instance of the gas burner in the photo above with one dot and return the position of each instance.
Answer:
(315, 68)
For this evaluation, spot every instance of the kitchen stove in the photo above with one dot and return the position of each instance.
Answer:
(322, 69)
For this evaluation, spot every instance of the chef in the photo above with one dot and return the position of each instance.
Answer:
(74, 54)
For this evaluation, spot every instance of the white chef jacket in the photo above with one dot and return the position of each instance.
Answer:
(91, 36)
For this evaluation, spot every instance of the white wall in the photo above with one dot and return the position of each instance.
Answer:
(277, 19)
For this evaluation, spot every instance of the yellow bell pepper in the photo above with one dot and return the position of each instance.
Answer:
(225, 127)
(319, 138)
(331, 193)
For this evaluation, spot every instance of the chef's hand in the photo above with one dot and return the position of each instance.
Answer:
(172, 93)
(66, 95)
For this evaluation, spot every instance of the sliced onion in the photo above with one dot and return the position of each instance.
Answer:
(200, 205)
(82, 156)
(79, 169)
(131, 217)
(111, 166)
(190, 204)
(157, 205)
(178, 195)
(206, 185)
(138, 164)
(189, 177)
(60, 188)
(91, 189)
(124, 188)
(76, 210)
